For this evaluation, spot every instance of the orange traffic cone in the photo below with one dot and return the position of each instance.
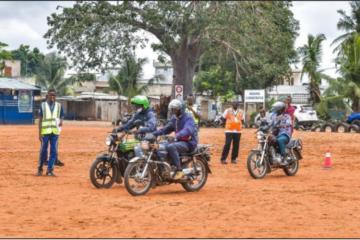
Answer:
(327, 162)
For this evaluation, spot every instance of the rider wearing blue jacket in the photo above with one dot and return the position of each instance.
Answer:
(185, 134)
(143, 113)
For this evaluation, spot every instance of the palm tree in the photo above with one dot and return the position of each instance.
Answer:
(50, 74)
(126, 81)
(311, 54)
(349, 24)
(349, 61)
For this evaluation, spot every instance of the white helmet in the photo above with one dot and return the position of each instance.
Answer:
(176, 104)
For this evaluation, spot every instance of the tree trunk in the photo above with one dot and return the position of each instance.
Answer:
(184, 61)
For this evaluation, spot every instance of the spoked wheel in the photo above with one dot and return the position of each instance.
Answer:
(103, 173)
(254, 167)
(292, 169)
(198, 178)
(134, 182)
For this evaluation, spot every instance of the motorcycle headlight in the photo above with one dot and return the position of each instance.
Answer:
(108, 141)
(259, 137)
(144, 145)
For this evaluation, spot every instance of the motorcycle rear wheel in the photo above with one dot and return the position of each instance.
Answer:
(100, 171)
(256, 171)
(134, 184)
(292, 168)
(199, 180)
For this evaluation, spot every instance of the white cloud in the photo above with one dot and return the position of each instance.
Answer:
(320, 17)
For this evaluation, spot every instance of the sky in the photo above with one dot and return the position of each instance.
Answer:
(24, 22)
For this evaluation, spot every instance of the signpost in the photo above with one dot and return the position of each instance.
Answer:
(253, 96)
(179, 92)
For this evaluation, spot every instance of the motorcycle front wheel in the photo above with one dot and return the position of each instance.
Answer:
(254, 167)
(134, 183)
(103, 173)
(199, 177)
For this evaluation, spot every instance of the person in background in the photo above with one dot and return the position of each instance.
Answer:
(290, 109)
(51, 117)
(193, 110)
(262, 118)
(234, 118)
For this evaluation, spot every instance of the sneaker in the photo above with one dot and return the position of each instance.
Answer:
(50, 174)
(284, 162)
(39, 172)
(234, 161)
(59, 163)
(178, 175)
(223, 162)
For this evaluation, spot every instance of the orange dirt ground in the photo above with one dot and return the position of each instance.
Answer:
(315, 203)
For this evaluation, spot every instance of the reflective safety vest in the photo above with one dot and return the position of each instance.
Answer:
(196, 120)
(49, 124)
(233, 120)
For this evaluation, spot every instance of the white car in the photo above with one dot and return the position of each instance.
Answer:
(305, 116)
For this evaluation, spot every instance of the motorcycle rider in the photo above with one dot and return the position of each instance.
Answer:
(282, 120)
(143, 113)
(183, 125)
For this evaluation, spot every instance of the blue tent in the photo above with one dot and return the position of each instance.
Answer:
(17, 101)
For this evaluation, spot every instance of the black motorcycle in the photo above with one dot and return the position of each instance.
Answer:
(151, 167)
(266, 157)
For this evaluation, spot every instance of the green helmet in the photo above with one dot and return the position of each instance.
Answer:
(141, 100)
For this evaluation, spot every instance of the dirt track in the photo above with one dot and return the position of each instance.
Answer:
(315, 203)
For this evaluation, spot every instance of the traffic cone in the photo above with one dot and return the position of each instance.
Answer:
(327, 162)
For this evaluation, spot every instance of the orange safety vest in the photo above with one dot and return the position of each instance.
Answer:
(233, 121)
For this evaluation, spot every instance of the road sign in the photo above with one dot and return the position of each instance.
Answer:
(255, 96)
(179, 92)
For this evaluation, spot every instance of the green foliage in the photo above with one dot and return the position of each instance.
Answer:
(30, 60)
(50, 74)
(99, 35)
(4, 55)
(126, 81)
(311, 54)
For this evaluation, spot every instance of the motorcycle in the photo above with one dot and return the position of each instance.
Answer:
(151, 167)
(109, 167)
(266, 157)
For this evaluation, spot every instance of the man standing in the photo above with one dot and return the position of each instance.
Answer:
(51, 117)
(290, 109)
(193, 110)
(233, 117)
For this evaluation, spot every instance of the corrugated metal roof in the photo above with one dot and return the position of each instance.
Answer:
(9, 83)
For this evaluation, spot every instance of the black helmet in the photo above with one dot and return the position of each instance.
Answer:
(278, 107)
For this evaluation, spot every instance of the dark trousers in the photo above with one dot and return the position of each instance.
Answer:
(176, 148)
(235, 138)
(46, 139)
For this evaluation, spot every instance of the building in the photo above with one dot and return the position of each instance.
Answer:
(12, 68)
(163, 80)
(17, 102)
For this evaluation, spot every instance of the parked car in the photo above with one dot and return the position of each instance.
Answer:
(354, 121)
(305, 117)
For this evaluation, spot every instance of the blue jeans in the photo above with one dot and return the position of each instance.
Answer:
(174, 149)
(282, 140)
(53, 139)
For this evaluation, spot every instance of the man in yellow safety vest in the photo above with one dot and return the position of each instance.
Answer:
(51, 117)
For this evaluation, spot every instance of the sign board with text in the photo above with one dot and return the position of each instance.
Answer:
(255, 96)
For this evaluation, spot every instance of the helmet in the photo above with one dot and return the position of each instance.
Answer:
(278, 107)
(141, 101)
(177, 105)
